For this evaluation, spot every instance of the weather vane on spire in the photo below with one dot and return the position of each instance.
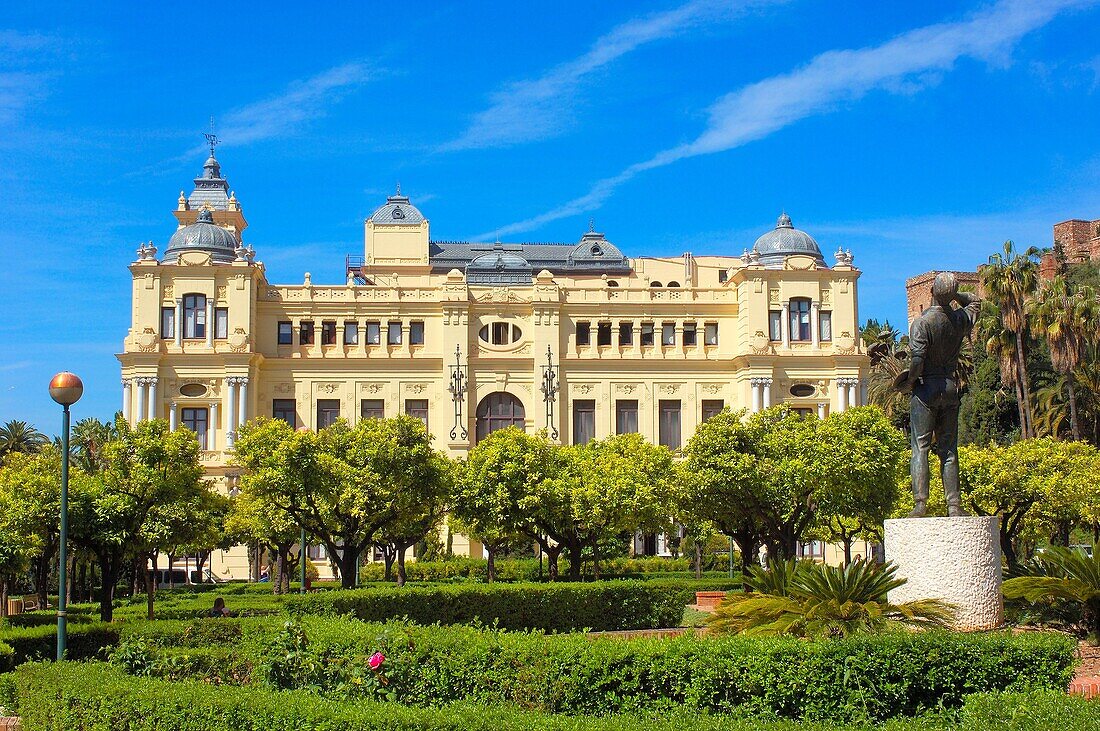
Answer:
(211, 138)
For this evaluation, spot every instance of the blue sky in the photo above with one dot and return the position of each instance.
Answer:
(918, 135)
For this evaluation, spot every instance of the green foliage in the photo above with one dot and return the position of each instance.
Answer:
(527, 569)
(85, 641)
(812, 600)
(20, 437)
(988, 413)
(870, 677)
(611, 605)
(1063, 574)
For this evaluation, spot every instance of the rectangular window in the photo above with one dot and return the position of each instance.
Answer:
(775, 325)
(690, 333)
(418, 408)
(712, 407)
(710, 333)
(800, 319)
(285, 409)
(351, 332)
(167, 322)
(416, 332)
(328, 332)
(373, 408)
(286, 333)
(221, 323)
(826, 325)
(194, 316)
(328, 411)
(626, 416)
(500, 333)
(374, 333)
(584, 333)
(723, 275)
(584, 421)
(603, 333)
(668, 333)
(195, 420)
(393, 332)
(305, 332)
(626, 333)
(647, 333)
(668, 424)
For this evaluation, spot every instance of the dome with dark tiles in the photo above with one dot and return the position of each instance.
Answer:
(203, 235)
(397, 211)
(786, 240)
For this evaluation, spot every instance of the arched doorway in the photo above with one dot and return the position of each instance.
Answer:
(498, 411)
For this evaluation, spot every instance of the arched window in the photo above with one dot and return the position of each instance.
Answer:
(498, 411)
(612, 283)
(673, 284)
(800, 319)
(654, 284)
(194, 316)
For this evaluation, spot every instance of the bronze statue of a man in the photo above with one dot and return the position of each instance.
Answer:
(934, 343)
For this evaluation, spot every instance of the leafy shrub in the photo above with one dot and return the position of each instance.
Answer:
(611, 605)
(527, 569)
(84, 641)
(7, 657)
(90, 697)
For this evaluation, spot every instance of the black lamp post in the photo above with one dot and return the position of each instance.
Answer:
(66, 389)
(549, 390)
(457, 388)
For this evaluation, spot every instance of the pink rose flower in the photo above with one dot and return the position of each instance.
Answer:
(375, 661)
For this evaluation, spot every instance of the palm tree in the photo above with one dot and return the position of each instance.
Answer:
(815, 600)
(90, 436)
(1065, 574)
(19, 436)
(1010, 280)
(1059, 313)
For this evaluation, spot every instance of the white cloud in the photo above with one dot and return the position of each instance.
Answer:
(760, 109)
(22, 80)
(541, 108)
(301, 102)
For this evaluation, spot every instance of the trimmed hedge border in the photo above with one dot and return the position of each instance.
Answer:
(557, 607)
(89, 697)
(85, 641)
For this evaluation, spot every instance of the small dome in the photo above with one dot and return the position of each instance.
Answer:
(397, 211)
(203, 235)
(783, 241)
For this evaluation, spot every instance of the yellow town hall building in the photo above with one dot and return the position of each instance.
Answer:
(575, 338)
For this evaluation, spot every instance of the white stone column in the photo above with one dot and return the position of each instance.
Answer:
(210, 322)
(766, 386)
(815, 324)
(127, 399)
(139, 412)
(853, 392)
(173, 416)
(757, 397)
(212, 427)
(242, 400)
(785, 325)
(179, 322)
(842, 394)
(153, 410)
(821, 410)
(231, 411)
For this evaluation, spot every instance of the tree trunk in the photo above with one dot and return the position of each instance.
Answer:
(749, 546)
(4, 584)
(109, 569)
(388, 557)
(150, 590)
(401, 578)
(1025, 387)
(847, 550)
(698, 560)
(171, 576)
(490, 564)
(1008, 550)
(1075, 429)
(349, 562)
(575, 560)
(277, 586)
(552, 555)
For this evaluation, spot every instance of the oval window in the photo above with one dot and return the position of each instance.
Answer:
(192, 389)
(802, 390)
(500, 333)
(484, 334)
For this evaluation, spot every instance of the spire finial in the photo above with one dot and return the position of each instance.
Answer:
(591, 225)
(398, 187)
(211, 138)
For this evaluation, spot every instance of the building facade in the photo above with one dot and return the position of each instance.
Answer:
(576, 338)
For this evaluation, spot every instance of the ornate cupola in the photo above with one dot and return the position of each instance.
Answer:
(397, 237)
(212, 193)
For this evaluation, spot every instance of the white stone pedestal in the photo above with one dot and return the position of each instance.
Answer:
(957, 560)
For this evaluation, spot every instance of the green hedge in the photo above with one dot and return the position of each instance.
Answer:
(527, 569)
(91, 697)
(559, 607)
(84, 641)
